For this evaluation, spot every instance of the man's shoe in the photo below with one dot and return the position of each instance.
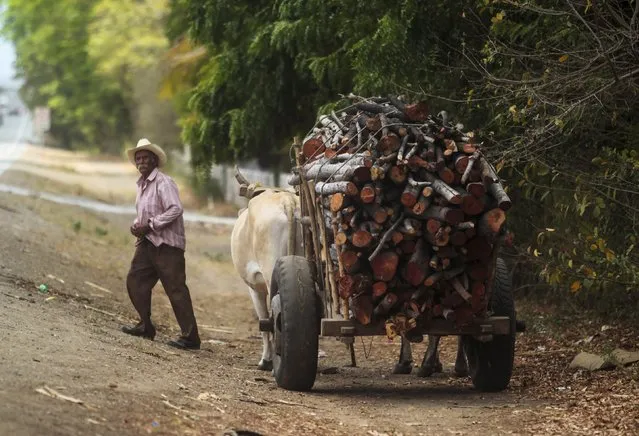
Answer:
(184, 344)
(140, 330)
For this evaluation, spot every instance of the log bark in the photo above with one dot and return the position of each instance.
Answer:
(410, 226)
(440, 163)
(380, 109)
(469, 167)
(462, 162)
(348, 188)
(386, 304)
(385, 238)
(390, 142)
(416, 162)
(488, 176)
(446, 214)
(362, 307)
(497, 191)
(410, 195)
(417, 266)
(422, 204)
(443, 189)
(461, 290)
(402, 149)
(336, 172)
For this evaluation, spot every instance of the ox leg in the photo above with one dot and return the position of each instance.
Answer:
(431, 364)
(461, 364)
(405, 364)
(259, 302)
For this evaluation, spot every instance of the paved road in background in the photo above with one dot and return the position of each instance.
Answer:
(14, 132)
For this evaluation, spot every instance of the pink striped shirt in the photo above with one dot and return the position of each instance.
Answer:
(158, 203)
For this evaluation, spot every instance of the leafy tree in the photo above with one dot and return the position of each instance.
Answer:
(273, 64)
(562, 77)
(128, 45)
(51, 45)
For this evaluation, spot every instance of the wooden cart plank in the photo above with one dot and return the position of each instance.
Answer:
(497, 325)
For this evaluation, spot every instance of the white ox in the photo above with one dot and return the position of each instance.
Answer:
(261, 235)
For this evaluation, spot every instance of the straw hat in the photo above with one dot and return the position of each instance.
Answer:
(145, 144)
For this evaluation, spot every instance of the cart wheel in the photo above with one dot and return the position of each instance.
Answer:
(295, 312)
(491, 363)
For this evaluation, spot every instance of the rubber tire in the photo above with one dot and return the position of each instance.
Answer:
(296, 332)
(491, 363)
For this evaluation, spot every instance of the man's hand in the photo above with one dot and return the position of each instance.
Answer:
(140, 231)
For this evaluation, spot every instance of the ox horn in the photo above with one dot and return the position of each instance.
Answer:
(240, 178)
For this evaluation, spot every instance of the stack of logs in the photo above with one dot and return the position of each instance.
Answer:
(410, 211)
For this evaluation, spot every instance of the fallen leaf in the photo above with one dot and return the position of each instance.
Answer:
(591, 362)
(624, 357)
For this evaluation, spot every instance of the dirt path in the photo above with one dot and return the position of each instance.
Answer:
(68, 339)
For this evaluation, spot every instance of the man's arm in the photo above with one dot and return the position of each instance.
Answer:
(170, 199)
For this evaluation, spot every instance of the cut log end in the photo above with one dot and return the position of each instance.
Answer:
(313, 147)
(384, 265)
(491, 223)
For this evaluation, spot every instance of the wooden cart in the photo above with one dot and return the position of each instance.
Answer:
(305, 305)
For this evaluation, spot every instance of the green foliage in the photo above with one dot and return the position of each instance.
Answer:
(51, 40)
(561, 75)
(273, 64)
(128, 45)
(98, 65)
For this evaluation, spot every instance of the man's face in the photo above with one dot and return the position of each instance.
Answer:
(145, 161)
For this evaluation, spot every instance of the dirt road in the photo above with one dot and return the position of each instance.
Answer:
(68, 339)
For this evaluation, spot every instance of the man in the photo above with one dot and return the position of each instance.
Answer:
(159, 253)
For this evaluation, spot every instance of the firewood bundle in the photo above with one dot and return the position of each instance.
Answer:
(407, 211)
